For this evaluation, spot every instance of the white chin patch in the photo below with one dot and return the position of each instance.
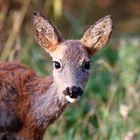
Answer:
(72, 100)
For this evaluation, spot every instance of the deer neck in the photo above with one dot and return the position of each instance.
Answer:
(48, 105)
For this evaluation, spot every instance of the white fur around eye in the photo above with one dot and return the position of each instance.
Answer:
(72, 100)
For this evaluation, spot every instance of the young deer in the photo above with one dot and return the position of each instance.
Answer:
(29, 103)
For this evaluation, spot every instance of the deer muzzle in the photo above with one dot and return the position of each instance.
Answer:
(73, 93)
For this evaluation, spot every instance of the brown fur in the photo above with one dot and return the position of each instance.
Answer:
(18, 88)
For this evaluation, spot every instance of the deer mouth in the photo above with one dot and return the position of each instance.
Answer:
(72, 100)
(72, 95)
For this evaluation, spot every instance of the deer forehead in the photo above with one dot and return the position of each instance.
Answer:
(70, 51)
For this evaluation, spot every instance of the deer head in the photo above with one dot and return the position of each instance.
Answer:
(71, 57)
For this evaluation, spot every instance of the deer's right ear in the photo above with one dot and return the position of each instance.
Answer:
(45, 32)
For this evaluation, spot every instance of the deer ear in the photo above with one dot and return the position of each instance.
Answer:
(97, 35)
(45, 32)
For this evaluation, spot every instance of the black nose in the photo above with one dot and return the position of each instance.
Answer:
(73, 91)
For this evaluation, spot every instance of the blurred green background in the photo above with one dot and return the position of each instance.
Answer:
(110, 107)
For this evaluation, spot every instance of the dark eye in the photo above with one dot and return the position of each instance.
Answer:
(57, 64)
(86, 65)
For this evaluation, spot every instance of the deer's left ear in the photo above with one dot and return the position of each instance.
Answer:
(97, 35)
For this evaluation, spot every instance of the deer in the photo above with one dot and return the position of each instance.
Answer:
(30, 103)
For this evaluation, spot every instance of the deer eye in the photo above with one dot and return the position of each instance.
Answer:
(86, 65)
(57, 64)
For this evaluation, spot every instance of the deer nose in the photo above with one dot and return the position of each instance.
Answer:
(73, 91)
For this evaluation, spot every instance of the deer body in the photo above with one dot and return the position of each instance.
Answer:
(29, 103)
